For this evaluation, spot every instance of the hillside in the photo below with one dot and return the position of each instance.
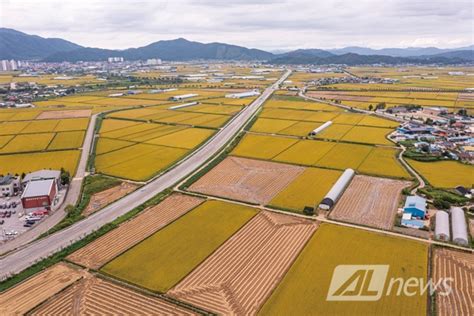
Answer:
(18, 45)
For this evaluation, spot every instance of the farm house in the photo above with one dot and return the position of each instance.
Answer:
(320, 128)
(458, 226)
(337, 189)
(442, 226)
(416, 206)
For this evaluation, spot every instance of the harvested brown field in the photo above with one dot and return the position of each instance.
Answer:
(130, 233)
(465, 97)
(63, 114)
(338, 96)
(248, 180)
(35, 290)
(240, 275)
(101, 199)
(95, 296)
(370, 201)
(460, 267)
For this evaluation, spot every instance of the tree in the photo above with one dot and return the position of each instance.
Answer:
(380, 106)
(308, 210)
(370, 107)
(65, 177)
(441, 204)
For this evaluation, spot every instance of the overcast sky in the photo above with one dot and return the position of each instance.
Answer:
(267, 24)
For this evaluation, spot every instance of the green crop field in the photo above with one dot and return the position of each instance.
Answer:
(304, 288)
(166, 257)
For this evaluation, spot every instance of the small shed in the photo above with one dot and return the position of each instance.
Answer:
(459, 226)
(409, 221)
(442, 226)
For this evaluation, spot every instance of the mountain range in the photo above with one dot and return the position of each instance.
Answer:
(22, 46)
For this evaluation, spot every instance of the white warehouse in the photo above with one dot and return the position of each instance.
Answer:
(183, 96)
(442, 226)
(242, 95)
(337, 189)
(459, 226)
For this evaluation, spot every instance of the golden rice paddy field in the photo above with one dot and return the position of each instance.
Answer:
(308, 189)
(138, 151)
(364, 100)
(182, 246)
(304, 289)
(364, 158)
(445, 174)
(50, 80)
(28, 143)
(300, 79)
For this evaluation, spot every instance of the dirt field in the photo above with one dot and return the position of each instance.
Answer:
(101, 199)
(338, 96)
(369, 201)
(28, 294)
(241, 274)
(63, 114)
(247, 180)
(107, 247)
(459, 266)
(94, 296)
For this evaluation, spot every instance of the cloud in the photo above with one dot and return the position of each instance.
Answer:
(265, 24)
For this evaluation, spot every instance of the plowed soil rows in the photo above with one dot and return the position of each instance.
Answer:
(101, 199)
(94, 296)
(130, 233)
(28, 294)
(241, 274)
(247, 180)
(369, 201)
(460, 267)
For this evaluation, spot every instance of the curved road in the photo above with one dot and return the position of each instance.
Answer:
(21, 259)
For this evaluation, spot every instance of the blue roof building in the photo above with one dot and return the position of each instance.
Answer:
(416, 206)
(409, 221)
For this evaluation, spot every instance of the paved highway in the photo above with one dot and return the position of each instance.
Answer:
(21, 259)
(71, 198)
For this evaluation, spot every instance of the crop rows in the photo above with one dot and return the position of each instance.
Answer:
(107, 247)
(241, 274)
(94, 296)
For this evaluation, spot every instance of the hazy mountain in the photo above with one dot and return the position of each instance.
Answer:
(396, 52)
(462, 54)
(178, 49)
(352, 59)
(18, 45)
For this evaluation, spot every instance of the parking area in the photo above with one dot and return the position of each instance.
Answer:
(11, 217)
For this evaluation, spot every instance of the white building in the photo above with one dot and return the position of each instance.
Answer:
(8, 185)
(8, 65)
(241, 95)
(115, 59)
(153, 61)
(183, 96)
